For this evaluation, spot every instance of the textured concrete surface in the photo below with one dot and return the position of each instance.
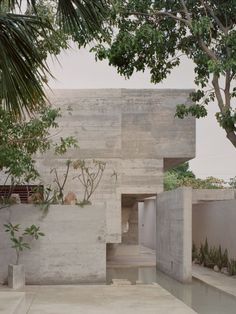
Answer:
(125, 299)
(215, 221)
(174, 233)
(123, 255)
(132, 131)
(12, 302)
(130, 224)
(73, 249)
(217, 280)
(147, 223)
(16, 276)
(206, 195)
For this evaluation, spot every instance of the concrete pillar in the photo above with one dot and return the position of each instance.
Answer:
(174, 233)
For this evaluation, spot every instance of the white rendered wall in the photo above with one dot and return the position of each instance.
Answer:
(216, 221)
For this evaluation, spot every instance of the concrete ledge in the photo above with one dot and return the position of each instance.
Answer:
(216, 280)
(206, 195)
(12, 303)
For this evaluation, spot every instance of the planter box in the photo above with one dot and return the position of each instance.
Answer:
(73, 250)
(16, 276)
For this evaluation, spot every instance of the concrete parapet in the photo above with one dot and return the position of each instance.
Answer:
(206, 195)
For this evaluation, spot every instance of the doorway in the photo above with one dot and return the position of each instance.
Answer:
(137, 248)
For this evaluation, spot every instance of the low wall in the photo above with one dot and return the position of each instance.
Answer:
(215, 221)
(174, 233)
(72, 251)
(147, 223)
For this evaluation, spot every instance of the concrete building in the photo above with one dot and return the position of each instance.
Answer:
(136, 133)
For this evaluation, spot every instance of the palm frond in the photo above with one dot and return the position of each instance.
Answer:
(85, 15)
(22, 69)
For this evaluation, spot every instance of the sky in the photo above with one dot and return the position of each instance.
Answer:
(75, 69)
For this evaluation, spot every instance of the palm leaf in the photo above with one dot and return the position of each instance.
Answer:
(22, 68)
(85, 15)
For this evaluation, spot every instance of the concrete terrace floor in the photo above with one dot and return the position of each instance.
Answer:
(99, 299)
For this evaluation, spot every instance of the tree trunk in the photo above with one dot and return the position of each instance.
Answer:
(17, 257)
(231, 137)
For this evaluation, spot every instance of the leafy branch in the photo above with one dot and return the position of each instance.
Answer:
(89, 177)
(18, 241)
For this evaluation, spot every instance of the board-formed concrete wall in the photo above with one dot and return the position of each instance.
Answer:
(215, 221)
(174, 233)
(147, 223)
(72, 251)
(134, 131)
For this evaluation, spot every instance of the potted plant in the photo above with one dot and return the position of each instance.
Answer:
(16, 272)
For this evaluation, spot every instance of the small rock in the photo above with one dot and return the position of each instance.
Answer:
(15, 199)
(70, 199)
(216, 268)
(224, 270)
(35, 198)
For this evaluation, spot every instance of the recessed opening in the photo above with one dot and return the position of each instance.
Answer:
(138, 233)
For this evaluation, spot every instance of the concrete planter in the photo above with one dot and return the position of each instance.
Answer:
(73, 250)
(16, 276)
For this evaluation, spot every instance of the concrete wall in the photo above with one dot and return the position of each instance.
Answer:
(130, 224)
(134, 131)
(147, 223)
(215, 220)
(174, 233)
(72, 251)
(209, 195)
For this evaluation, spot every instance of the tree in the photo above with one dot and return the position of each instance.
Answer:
(26, 38)
(182, 176)
(21, 140)
(151, 34)
(232, 183)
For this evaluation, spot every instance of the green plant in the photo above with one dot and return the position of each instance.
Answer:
(232, 183)
(18, 241)
(232, 267)
(182, 176)
(90, 176)
(59, 191)
(195, 253)
(30, 30)
(209, 256)
(201, 255)
(225, 258)
(20, 141)
(155, 35)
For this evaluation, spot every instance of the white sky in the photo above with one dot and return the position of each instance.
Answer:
(215, 155)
